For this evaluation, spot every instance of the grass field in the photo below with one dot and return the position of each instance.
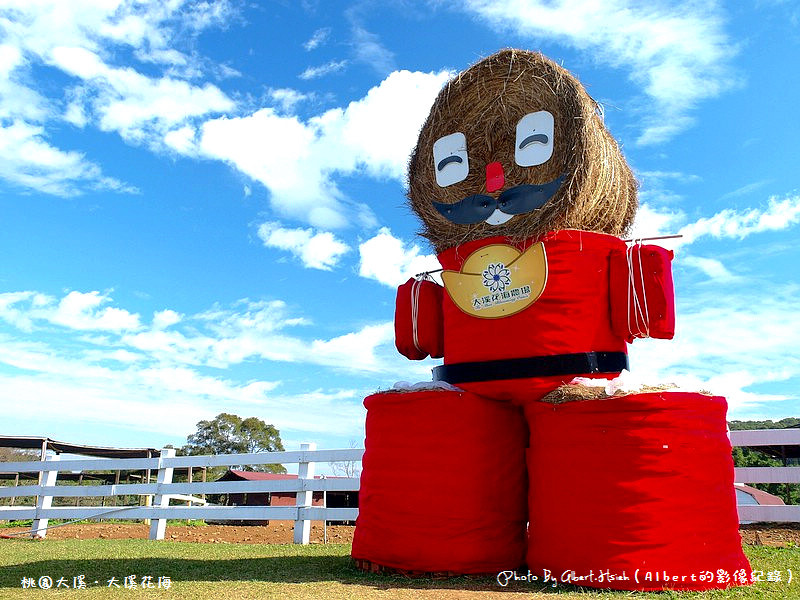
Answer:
(222, 572)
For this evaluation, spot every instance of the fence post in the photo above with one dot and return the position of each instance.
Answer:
(39, 527)
(325, 506)
(158, 527)
(16, 484)
(148, 499)
(305, 470)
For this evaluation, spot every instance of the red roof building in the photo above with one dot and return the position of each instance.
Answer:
(334, 499)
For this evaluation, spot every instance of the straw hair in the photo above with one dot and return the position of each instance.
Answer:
(485, 103)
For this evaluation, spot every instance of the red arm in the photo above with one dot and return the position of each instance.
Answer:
(418, 323)
(642, 292)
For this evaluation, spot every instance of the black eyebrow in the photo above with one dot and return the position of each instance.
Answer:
(536, 137)
(446, 161)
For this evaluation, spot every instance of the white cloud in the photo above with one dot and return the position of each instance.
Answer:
(379, 131)
(296, 159)
(18, 101)
(29, 161)
(277, 151)
(652, 222)
(358, 347)
(205, 14)
(712, 267)
(333, 66)
(386, 259)
(21, 317)
(148, 27)
(320, 250)
(182, 140)
(167, 403)
(319, 37)
(157, 398)
(676, 51)
(140, 103)
(371, 51)
(673, 175)
(337, 412)
(287, 98)
(10, 59)
(75, 115)
(222, 337)
(729, 223)
(80, 38)
(138, 107)
(189, 382)
(727, 342)
(778, 214)
(79, 62)
(165, 318)
(77, 310)
(173, 347)
(745, 190)
(89, 402)
(164, 378)
(247, 315)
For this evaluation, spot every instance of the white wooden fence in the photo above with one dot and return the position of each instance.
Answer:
(767, 437)
(304, 486)
(163, 490)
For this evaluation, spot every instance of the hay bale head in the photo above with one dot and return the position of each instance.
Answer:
(486, 103)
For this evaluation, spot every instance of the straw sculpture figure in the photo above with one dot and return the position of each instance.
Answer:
(485, 103)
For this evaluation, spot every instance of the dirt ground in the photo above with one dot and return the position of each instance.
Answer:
(281, 532)
(277, 532)
(777, 535)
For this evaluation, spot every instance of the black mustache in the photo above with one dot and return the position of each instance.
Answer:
(514, 201)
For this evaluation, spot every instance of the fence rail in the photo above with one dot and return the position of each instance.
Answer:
(767, 437)
(163, 490)
(303, 512)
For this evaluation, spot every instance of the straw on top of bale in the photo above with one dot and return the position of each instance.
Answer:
(485, 103)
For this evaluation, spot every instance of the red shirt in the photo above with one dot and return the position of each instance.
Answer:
(571, 315)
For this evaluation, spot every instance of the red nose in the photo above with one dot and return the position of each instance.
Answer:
(495, 178)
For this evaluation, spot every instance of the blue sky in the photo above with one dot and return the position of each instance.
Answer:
(203, 211)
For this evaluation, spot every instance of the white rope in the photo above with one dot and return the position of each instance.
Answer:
(644, 294)
(641, 327)
(415, 312)
(634, 328)
(630, 290)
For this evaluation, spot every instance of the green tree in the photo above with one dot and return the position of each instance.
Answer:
(230, 434)
(754, 457)
(783, 423)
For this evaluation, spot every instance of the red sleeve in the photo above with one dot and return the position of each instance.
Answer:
(642, 292)
(418, 320)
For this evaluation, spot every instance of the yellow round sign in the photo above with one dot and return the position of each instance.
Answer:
(498, 281)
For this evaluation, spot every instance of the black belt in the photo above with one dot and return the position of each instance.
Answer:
(534, 366)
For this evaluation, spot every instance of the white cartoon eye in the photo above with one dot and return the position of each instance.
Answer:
(450, 160)
(534, 144)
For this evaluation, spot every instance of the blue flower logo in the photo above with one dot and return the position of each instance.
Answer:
(496, 277)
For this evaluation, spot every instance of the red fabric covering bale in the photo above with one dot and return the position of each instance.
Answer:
(637, 486)
(418, 319)
(443, 485)
(642, 292)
